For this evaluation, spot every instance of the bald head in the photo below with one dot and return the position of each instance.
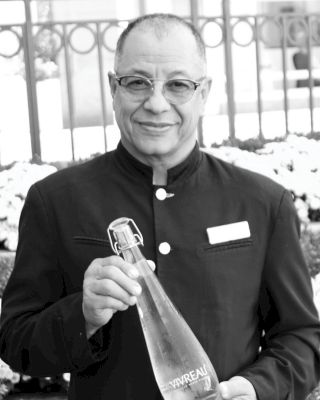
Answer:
(160, 25)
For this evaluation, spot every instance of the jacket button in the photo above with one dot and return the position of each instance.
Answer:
(161, 194)
(164, 248)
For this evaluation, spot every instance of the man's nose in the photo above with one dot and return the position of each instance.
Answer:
(156, 102)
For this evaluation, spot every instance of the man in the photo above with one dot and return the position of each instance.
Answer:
(247, 295)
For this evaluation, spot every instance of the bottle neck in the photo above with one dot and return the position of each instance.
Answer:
(133, 254)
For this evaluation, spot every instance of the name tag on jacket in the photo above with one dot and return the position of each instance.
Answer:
(228, 232)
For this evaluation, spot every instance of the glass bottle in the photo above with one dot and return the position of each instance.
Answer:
(181, 367)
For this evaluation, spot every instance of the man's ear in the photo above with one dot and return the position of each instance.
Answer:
(112, 82)
(205, 89)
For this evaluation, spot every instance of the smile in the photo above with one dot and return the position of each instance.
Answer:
(155, 126)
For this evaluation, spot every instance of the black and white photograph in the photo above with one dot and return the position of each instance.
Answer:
(159, 200)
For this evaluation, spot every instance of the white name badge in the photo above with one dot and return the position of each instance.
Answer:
(225, 233)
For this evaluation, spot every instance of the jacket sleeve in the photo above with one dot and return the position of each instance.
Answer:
(42, 327)
(288, 366)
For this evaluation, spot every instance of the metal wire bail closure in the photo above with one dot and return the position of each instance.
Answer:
(118, 225)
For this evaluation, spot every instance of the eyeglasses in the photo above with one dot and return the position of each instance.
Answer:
(175, 91)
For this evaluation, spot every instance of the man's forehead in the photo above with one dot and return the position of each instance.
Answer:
(174, 32)
(160, 29)
(176, 46)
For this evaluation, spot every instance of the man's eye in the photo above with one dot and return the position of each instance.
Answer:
(137, 84)
(179, 85)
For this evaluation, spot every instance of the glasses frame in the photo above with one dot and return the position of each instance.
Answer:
(152, 80)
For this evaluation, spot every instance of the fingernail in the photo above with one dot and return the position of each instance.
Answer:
(137, 289)
(133, 300)
(223, 391)
(133, 273)
(152, 265)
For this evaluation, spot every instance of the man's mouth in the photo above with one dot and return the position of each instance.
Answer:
(155, 126)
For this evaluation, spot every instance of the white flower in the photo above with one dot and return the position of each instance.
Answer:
(14, 185)
(5, 371)
(313, 202)
(15, 377)
(3, 208)
(4, 230)
(302, 210)
(13, 216)
(316, 291)
(11, 241)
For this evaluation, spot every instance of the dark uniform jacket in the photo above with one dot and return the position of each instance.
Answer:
(248, 300)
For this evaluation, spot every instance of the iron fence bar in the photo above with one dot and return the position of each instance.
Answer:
(69, 89)
(267, 15)
(199, 16)
(102, 85)
(194, 14)
(142, 7)
(284, 70)
(81, 21)
(229, 68)
(34, 125)
(258, 64)
(309, 49)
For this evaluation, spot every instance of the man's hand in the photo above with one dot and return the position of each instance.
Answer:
(237, 388)
(110, 285)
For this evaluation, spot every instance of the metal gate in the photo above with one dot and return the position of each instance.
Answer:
(57, 43)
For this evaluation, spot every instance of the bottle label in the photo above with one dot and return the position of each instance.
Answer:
(192, 377)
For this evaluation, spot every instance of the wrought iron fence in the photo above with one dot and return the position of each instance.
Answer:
(77, 50)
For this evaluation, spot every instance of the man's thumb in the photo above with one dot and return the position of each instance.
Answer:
(225, 389)
(236, 386)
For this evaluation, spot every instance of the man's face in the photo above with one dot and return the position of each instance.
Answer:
(154, 128)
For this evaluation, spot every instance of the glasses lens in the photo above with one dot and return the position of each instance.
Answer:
(176, 91)
(135, 84)
(179, 90)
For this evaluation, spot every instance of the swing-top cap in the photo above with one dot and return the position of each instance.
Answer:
(123, 234)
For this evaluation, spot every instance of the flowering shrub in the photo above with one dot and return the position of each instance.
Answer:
(44, 69)
(14, 185)
(12, 382)
(8, 379)
(294, 163)
(6, 266)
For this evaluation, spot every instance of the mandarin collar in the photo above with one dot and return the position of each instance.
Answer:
(176, 174)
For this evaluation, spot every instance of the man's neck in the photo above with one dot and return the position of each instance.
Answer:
(159, 164)
(160, 176)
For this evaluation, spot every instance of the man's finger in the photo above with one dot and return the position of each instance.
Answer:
(237, 387)
(152, 265)
(116, 261)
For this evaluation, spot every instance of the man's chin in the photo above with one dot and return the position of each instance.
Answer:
(152, 152)
(150, 147)
(154, 147)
